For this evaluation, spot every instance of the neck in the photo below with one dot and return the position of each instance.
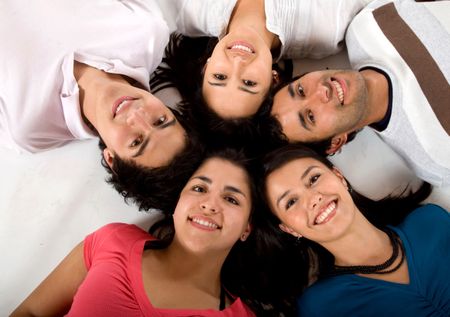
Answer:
(90, 81)
(378, 96)
(251, 13)
(362, 244)
(201, 270)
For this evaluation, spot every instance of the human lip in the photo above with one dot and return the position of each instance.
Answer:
(121, 103)
(326, 213)
(241, 46)
(340, 89)
(204, 223)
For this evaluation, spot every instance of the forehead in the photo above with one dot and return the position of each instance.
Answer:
(230, 102)
(223, 171)
(292, 172)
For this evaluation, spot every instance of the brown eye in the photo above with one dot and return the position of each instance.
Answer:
(136, 142)
(198, 189)
(220, 76)
(311, 117)
(290, 203)
(231, 200)
(313, 179)
(160, 121)
(249, 83)
(300, 90)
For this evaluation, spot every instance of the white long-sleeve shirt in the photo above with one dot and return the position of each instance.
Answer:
(39, 103)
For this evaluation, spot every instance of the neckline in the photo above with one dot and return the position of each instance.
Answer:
(409, 263)
(144, 302)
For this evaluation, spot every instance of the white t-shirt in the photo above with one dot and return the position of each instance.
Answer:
(306, 28)
(39, 103)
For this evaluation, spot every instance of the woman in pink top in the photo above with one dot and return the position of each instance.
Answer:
(186, 266)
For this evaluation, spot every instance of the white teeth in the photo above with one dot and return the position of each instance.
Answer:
(242, 48)
(205, 223)
(121, 105)
(339, 90)
(323, 215)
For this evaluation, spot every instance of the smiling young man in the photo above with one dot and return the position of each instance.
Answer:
(84, 73)
(399, 87)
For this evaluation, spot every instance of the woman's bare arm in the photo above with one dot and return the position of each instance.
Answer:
(54, 296)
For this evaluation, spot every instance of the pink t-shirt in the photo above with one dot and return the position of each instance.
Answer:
(114, 285)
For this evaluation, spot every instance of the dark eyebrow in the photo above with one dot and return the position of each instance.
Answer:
(290, 89)
(216, 84)
(248, 90)
(147, 139)
(305, 173)
(228, 188)
(203, 178)
(240, 87)
(142, 147)
(234, 190)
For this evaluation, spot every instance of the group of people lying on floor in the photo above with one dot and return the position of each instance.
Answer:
(256, 220)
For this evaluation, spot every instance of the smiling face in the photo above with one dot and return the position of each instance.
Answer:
(214, 207)
(321, 104)
(311, 200)
(238, 75)
(135, 125)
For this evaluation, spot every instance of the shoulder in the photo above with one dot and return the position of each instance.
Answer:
(118, 228)
(426, 228)
(114, 236)
(426, 216)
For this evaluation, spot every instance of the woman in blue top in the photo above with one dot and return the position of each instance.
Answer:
(362, 266)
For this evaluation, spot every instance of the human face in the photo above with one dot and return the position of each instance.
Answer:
(238, 75)
(310, 200)
(214, 207)
(321, 105)
(137, 126)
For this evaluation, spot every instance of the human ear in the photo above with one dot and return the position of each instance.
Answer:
(246, 232)
(336, 143)
(275, 77)
(108, 155)
(289, 230)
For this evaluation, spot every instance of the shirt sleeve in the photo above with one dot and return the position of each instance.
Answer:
(95, 242)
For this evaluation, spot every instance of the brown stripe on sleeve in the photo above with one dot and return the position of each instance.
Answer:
(433, 83)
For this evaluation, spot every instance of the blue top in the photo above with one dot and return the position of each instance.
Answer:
(425, 234)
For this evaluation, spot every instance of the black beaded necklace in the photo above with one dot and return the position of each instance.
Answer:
(380, 268)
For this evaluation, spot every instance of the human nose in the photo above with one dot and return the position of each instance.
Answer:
(139, 119)
(315, 200)
(322, 93)
(210, 205)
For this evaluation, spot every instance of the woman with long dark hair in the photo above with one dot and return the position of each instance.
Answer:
(365, 258)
